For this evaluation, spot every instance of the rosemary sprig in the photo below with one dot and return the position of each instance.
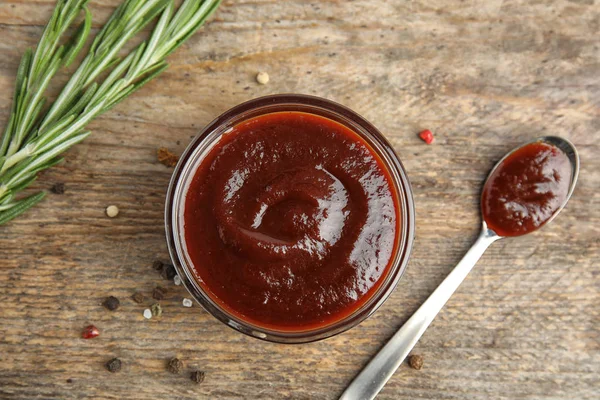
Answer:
(34, 139)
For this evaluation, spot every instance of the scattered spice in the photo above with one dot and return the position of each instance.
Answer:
(168, 272)
(166, 158)
(159, 293)
(187, 303)
(198, 376)
(111, 303)
(112, 211)
(114, 365)
(415, 361)
(158, 265)
(156, 310)
(147, 313)
(426, 136)
(58, 188)
(90, 332)
(177, 280)
(262, 78)
(138, 297)
(175, 365)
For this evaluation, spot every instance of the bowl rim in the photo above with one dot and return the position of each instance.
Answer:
(265, 105)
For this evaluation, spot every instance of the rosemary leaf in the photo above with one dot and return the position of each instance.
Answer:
(79, 40)
(34, 139)
(20, 207)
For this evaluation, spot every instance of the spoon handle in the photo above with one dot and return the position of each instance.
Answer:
(374, 376)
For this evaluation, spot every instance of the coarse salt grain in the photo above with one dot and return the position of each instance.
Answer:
(187, 303)
(177, 280)
(262, 78)
(147, 313)
(112, 211)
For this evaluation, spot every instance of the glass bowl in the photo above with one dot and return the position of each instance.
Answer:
(211, 134)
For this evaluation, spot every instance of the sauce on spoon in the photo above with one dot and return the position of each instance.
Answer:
(526, 189)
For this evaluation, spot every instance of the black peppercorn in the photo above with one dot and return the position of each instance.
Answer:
(168, 272)
(175, 366)
(157, 265)
(114, 365)
(138, 297)
(415, 361)
(159, 293)
(198, 376)
(111, 303)
(58, 188)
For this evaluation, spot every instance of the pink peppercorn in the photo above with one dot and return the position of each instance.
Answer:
(426, 136)
(90, 332)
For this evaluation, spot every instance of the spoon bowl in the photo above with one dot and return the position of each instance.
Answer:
(563, 145)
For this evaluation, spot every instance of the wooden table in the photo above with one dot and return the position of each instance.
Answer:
(484, 76)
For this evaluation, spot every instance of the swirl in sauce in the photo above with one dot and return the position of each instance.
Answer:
(291, 221)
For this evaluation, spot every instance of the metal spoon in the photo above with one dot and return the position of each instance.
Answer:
(374, 376)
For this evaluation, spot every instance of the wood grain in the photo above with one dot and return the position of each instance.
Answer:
(483, 76)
